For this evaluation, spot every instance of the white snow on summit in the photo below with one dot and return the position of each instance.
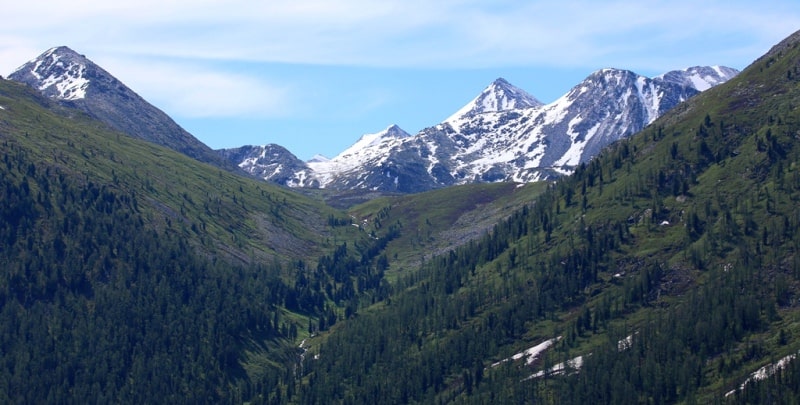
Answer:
(71, 86)
(318, 158)
(368, 148)
(701, 78)
(505, 134)
(499, 96)
(68, 78)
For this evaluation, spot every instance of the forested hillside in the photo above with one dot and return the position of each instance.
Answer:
(131, 273)
(664, 271)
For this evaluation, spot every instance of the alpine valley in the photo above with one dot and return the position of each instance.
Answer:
(635, 241)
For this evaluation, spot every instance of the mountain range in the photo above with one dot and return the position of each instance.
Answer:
(504, 134)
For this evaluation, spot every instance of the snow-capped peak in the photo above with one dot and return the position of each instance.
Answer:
(367, 148)
(701, 78)
(505, 134)
(59, 73)
(367, 140)
(318, 158)
(498, 96)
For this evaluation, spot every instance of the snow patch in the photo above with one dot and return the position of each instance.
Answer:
(647, 94)
(531, 354)
(560, 368)
(71, 85)
(577, 362)
(764, 372)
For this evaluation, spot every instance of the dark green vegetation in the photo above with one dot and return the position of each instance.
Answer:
(669, 264)
(681, 241)
(131, 273)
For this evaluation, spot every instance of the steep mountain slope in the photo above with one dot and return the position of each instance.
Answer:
(505, 134)
(665, 270)
(131, 273)
(64, 75)
(179, 188)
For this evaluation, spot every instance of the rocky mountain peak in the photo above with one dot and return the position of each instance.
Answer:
(699, 77)
(395, 131)
(59, 73)
(500, 95)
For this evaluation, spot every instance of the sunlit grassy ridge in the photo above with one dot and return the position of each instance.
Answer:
(224, 213)
(434, 222)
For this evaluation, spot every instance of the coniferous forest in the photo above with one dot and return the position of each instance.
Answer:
(663, 271)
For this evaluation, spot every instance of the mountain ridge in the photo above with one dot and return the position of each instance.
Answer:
(66, 76)
(505, 134)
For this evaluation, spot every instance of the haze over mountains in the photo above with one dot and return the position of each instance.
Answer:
(504, 134)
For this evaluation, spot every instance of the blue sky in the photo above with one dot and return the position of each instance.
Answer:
(314, 75)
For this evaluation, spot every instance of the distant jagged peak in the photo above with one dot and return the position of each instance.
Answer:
(318, 158)
(612, 76)
(59, 73)
(62, 51)
(394, 131)
(500, 95)
(602, 82)
(54, 54)
(391, 132)
(701, 78)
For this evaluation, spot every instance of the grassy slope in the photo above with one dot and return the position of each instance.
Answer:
(224, 214)
(437, 221)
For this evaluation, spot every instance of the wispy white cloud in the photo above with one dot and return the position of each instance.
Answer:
(415, 33)
(193, 38)
(187, 90)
